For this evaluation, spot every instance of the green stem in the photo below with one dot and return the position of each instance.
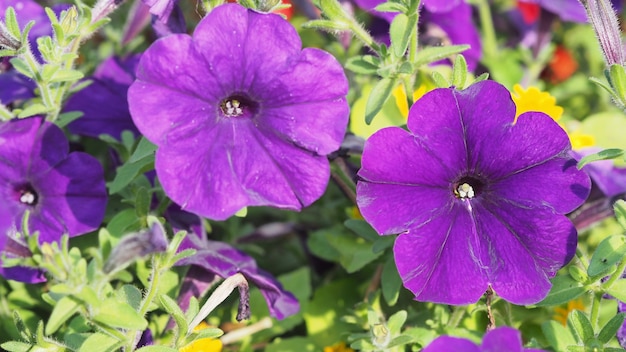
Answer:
(362, 34)
(490, 46)
(457, 315)
(149, 297)
(595, 309)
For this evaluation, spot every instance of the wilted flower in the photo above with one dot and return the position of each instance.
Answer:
(241, 115)
(64, 192)
(215, 258)
(104, 103)
(477, 199)
(502, 339)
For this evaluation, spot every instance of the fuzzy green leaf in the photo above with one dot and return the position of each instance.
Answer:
(564, 289)
(601, 155)
(378, 96)
(609, 252)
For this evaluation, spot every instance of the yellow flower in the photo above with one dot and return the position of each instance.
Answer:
(532, 99)
(203, 345)
(560, 313)
(401, 100)
(580, 140)
(338, 347)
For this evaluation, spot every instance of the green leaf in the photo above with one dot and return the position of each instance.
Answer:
(564, 289)
(174, 310)
(101, 343)
(392, 7)
(326, 25)
(129, 171)
(157, 349)
(619, 207)
(400, 32)
(22, 67)
(609, 330)
(15, 346)
(390, 282)
(459, 72)
(366, 64)
(618, 290)
(379, 95)
(10, 20)
(618, 81)
(32, 110)
(142, 202)
(435, 53)
(439, 80)
(120, 315)
(383, 243)
(396, 321)
(66, 76)
(207, 333)
(557, 335)
(48, 71)
(131, 295)
(363, 229)
(601, 155)
(144, 149)
(65, 118)
(400, 341)
(63, 310)
(609, 252)
(581, 325)
(578, 274)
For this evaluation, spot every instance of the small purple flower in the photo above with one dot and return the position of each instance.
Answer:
(220, 259)
(104, 102)
(478, 200)
(502, 339)
(241, 115)
(64, 192)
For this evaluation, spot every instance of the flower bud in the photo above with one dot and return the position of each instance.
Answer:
(604, 21)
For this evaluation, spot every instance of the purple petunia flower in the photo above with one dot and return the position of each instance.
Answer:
(215, 258)
(502, 339)
(64, 192)
(104, 102)
(240, 114)
(478, 200)
(442, 21)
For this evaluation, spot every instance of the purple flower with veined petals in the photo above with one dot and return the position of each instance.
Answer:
(502, 339)
(478, 200)
(241, 115)
(64, 192)
(104, 102)
(442, 21)
(215, 258)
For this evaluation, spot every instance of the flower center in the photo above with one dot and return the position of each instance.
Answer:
(27, 195)
(238, 106)
(467, 188)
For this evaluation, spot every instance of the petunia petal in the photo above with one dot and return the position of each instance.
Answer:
(393, 155)
(444, 261)
(501, 339)
(313, 114)
(75, 191)
(268, 171)
(223, 260)
(243, 62)
(556, 184)
(436, 122)
(451, 344)
(527, 247)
